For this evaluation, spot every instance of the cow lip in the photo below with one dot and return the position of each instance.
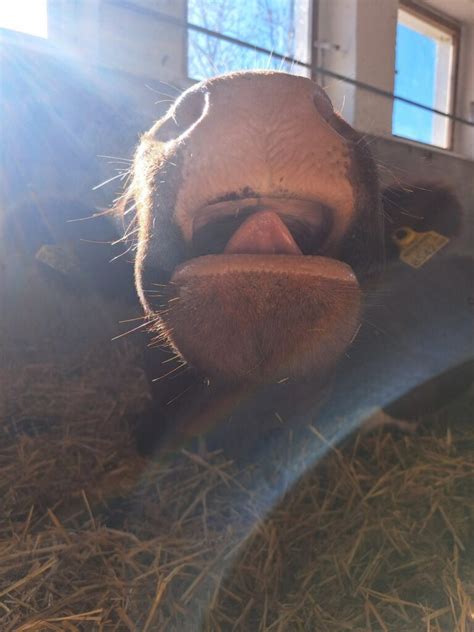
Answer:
(306, 219)
(287, 265)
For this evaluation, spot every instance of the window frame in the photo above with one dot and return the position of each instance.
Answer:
(451, 27)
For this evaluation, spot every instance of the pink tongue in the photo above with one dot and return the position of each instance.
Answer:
(262, 233)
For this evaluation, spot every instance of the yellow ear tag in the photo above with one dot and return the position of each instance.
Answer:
(417, 248)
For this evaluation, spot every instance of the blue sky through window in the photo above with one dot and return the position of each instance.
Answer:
(270, 24)
(414, 79)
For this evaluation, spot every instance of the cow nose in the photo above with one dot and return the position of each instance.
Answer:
(188, 110)
(323, 103)
(259, 93)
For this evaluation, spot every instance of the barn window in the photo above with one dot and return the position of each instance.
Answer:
(25, 16)
(225, 35)
(424, 72)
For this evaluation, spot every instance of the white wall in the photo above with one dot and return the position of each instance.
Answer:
(375, 54)
(341, 35)
(364, 33)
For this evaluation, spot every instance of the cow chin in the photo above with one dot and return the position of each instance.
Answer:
(262, 319)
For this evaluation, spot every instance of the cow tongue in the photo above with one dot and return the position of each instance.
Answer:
(262, 233)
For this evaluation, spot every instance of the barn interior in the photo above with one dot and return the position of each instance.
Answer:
(331, 528)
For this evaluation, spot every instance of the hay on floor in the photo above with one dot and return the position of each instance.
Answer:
(379, 536)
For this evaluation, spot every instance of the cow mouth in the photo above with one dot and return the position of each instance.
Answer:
(264, 289)
(281, 237)
(262, 226)
(278, 235)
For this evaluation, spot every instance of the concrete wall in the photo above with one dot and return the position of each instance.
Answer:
(121, 35)
(137, 43)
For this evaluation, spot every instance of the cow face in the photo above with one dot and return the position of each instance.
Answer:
(258, 224)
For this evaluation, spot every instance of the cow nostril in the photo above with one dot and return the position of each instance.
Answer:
(323, 103)
(189, 109)
(184, 114)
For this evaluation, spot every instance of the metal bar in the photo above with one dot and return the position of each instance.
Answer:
(126, 4)
(316, 55)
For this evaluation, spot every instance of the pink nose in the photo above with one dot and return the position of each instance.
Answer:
(226, 96)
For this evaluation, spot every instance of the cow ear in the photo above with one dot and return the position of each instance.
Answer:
(421, 207)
